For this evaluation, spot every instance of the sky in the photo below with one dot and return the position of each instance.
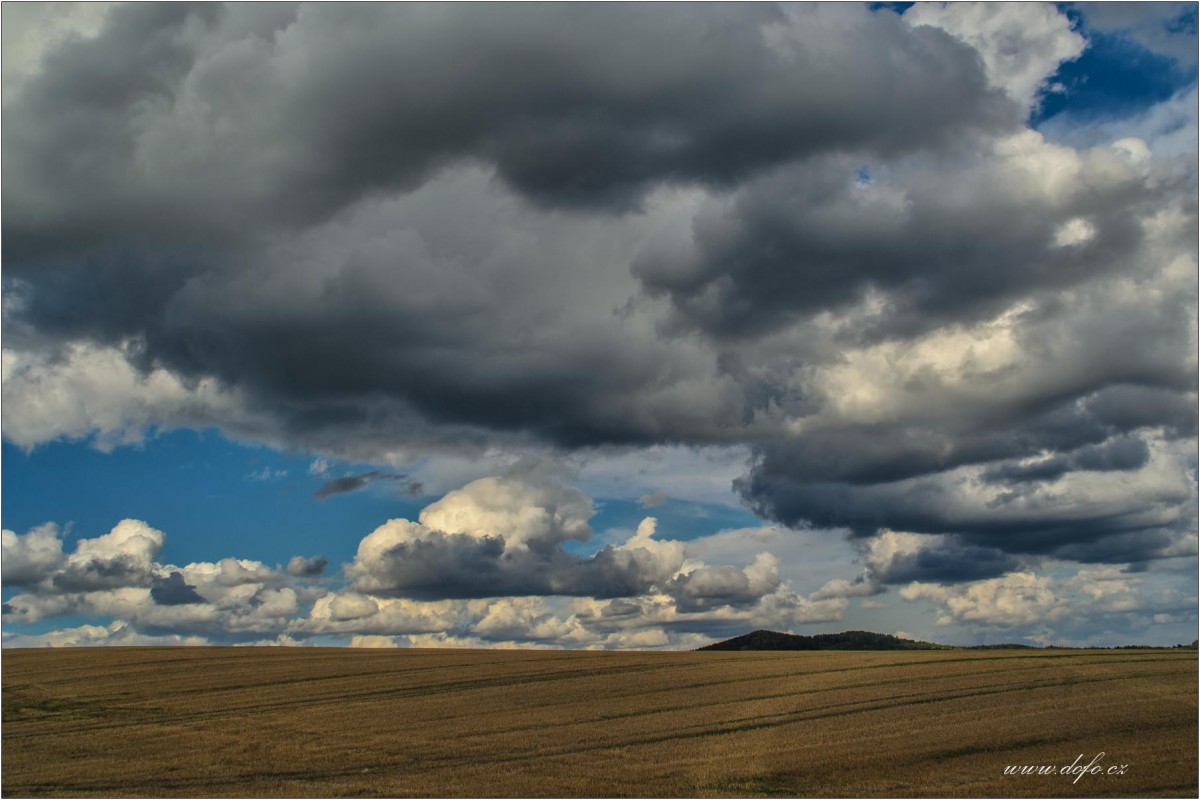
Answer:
(598, 326)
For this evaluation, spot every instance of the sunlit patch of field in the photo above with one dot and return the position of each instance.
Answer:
(300, 722)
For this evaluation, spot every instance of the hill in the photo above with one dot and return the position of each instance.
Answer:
(847, 640)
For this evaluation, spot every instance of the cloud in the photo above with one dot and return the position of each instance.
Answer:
(674, 599)
(1168, 128)
(501, 536)
(929, 258)
(1093, 604)
(485, 565)
(373, 641)
(1021, 47)
(353, 483)
(408, 358)
(896, 558)
(124, 557)
(307, 567)
(1118, 454)
(29, 558)
(1105, 516)
(87, 390)
(1168, 29)
(649, 95)
(709, 587)
(645, 245)
(32, 30)
(653, 500)
(1021, 598)
(267, 474)
(115, 634)
(118, 575)
(173, 590)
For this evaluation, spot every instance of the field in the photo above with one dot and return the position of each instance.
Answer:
(300, 722)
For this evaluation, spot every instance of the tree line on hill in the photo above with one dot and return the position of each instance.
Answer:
(867, 640)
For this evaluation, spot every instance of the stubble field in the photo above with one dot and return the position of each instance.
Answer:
(300, 722)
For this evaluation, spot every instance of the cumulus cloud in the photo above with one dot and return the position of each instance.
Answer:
(659, 73)
(1021, 598)
(87, 390)
(307, 567)
(115, 634)
(894, 558)
(372, 641)
(501, 536)
(119, 575)
(173, 590)
(707, 587)
(123, 557)
(443, 352)
(29, 558)
(483, 566)
(1057, 604)
(818, 237)
(1021, 46)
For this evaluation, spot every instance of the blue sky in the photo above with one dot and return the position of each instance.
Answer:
(1117, 76)
(218, 497)
(866, 357)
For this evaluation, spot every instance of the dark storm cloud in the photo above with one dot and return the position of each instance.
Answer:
(396, 229)
(1119, 385)
(352, 483)
(1127, 407)
(954, 247)
(172, 106)
(946, 559)
(884, 452)
(1119, 454)
(185, 124)
(174, 590)
(1127, 529)
(1134, 548)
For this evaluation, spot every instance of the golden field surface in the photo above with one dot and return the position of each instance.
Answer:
(309, 722)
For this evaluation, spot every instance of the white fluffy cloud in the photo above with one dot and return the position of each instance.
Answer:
(643, 591)
(504, 536)
(1021, 598)
(93, 392)
(1057, 604)
(523, 515)
(1021, 44)
(115, 634)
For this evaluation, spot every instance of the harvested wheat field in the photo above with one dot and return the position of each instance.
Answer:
(298, 722)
